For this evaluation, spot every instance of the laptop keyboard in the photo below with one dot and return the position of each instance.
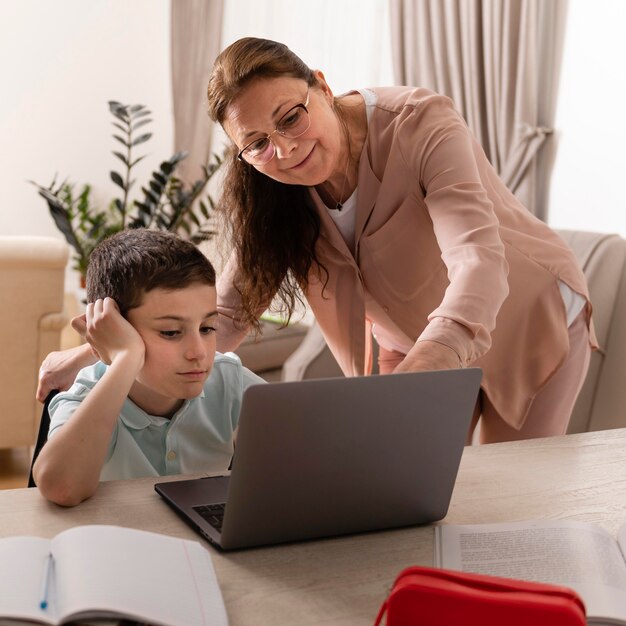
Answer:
(212, 513)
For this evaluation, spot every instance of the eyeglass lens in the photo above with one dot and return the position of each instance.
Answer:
(291, 125)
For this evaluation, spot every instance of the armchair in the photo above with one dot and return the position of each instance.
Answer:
(602, 401)
(31, 320)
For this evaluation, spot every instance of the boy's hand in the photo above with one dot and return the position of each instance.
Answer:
(110, 335)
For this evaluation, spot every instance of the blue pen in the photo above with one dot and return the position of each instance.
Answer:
(45, 583)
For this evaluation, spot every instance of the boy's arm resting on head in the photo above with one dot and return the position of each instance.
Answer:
(68, 468)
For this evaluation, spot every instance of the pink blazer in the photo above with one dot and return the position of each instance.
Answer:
(447, 251)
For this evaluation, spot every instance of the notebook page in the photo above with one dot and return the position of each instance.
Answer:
(22, 564)
(106, 570)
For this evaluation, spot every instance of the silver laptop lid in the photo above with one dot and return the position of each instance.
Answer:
(333, 456)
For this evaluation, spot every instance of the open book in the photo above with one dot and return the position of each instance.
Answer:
(108, 572)
(578, 555)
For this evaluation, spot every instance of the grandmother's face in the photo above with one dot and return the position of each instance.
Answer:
(309, 159)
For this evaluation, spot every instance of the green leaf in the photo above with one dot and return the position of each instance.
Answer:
(117, 107)
(117, 203)
(137, 222)
(121, 140)
(124, 129)
(178, 157)
(121, 157)
(148, 202)
(141, 139)
(83, 199)
(160, 178)
(143, 208)
(156, 187)
(141, 220)
(141, 158)
(61, 219)
(162, 223)
(121, 115)
(142, 113)
(166, 167)
(201, 235)
(150, 194)
(141, 123)
(117, 179)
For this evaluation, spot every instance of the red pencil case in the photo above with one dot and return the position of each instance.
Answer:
(424, 596)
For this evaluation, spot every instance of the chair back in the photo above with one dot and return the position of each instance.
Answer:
(42, 435)
(602, 401)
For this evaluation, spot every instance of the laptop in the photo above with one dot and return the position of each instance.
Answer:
(335, 456)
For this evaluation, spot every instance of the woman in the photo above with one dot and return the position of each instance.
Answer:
(382, 210)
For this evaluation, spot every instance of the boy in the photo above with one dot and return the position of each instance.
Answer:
(160, 400)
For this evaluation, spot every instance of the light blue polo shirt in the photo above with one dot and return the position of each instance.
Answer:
(197, 438)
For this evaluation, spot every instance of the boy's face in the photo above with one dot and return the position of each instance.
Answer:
(178, 330)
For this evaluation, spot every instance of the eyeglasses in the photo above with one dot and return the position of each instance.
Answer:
(291, 125)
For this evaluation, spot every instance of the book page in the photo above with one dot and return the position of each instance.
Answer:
(109, 570)
(581, 556)
(22, 566)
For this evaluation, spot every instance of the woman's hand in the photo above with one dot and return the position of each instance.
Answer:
(59, 369)
(429, 356)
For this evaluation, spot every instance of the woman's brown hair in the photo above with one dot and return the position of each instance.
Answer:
(274, 226)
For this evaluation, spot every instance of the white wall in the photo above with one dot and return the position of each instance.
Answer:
(60, 62)
(587, 190)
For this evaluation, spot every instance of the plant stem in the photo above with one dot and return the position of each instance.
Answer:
(128, 167)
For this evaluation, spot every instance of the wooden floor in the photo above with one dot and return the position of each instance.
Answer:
(14, 468)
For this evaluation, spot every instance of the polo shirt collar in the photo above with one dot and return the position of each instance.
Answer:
(136, 418)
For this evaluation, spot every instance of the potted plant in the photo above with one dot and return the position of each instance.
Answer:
(164, 203)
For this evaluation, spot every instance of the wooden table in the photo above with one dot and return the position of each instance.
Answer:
(343, 581)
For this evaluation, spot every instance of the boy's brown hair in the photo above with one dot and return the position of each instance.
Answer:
(132, 262)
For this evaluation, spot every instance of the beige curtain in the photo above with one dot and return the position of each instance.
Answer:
(196, 27)
(499, 61)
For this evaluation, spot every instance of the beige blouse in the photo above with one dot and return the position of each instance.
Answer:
(447, 252)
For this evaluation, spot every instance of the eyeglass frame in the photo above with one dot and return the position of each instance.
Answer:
(304, 106)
